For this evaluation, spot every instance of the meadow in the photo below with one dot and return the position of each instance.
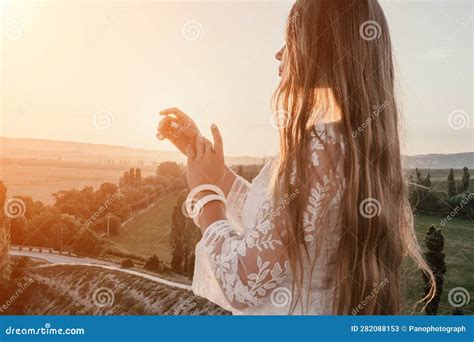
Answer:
(439, 178)
(41, 181)
(459, 256)
(149, 233)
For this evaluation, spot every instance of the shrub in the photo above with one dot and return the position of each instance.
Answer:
(435, 258)
(153, 264)
(127, 263)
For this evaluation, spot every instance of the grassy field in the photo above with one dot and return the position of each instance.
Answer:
(78, 290)
(459, 258)
(149, 232)
(439, 178)
(39, 182)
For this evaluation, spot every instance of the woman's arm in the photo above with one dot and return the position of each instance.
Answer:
(244, 269)
(182, 131)
(206, 166)
(247, 267)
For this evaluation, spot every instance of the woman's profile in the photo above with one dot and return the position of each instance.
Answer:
(325, 226)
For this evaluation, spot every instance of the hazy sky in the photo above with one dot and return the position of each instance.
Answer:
(99, 71)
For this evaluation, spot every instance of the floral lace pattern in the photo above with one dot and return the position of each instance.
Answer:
(242, 260)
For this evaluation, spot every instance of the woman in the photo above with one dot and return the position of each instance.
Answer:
(325, 226)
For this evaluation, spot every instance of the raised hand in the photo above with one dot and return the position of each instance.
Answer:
(206, 162)
(177, 127)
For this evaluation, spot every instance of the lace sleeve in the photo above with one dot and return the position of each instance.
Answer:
(248, 267)
(236, 199)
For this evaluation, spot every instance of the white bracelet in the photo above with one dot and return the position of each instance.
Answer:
(199, 206)
(198, 189)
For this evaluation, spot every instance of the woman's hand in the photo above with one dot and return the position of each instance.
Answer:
(206, 166)
(206, 163)
(179, 128)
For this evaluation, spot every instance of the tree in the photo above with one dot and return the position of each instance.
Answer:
(106, 189)
(82, 204)
(138, 175)
(427, 181)
(466, 177)
(422, 197)
(125, 179)
(184, 237)
(169, 169)
(153, 264)
(4, 240)
(434, 256)
(18, 230)
(127, 263)
(418, 176)
(87, 243)
(240, 170)
(131, 173)
(177, 225)
(451, 184)
(461, 205)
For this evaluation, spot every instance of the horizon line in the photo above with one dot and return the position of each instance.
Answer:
(177, 152)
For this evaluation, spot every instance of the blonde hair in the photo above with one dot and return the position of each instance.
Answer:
(331, 65)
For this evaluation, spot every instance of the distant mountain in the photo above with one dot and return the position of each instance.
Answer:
(20, 148)
(439, 161)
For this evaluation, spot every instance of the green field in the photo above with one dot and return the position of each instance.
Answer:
(149, 232)
(459, 258)
(40, 181)
(439, 178)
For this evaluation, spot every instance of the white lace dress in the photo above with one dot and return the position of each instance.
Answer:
(239, 262)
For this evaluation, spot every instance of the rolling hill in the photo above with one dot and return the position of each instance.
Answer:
(75, 152)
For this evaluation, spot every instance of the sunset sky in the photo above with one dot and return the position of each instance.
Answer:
(99, 71)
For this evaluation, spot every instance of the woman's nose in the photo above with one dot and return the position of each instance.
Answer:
(279, 54)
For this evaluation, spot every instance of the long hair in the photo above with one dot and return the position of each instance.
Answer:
(339, 60)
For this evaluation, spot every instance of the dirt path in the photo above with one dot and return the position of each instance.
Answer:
(56, 259)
